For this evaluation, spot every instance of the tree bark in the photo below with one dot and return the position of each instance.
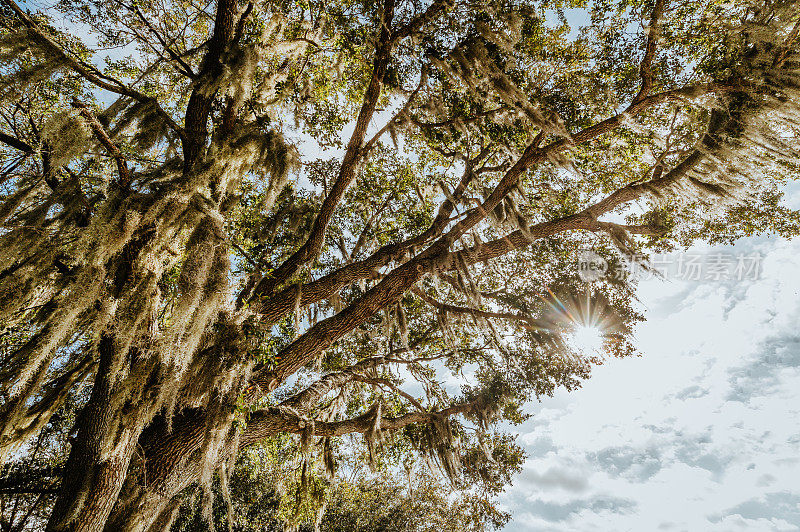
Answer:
(199, 106)
(171, 460)
(94, 475)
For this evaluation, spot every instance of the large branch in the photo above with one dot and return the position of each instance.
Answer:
(585, 220)
(646, 66)
(165, 470)
(347, 171)
(198, 107)
(163, 447)
(16, 143)
(265, 423)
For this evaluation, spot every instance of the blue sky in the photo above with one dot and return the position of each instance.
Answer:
(700, 433)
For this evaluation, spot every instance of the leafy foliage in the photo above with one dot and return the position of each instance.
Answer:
(274, 240)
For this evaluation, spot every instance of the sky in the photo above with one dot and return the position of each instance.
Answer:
(700, 433)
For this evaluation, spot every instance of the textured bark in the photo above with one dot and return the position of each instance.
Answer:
(168, 463)
(199, 105)
(93, 476)
(175, 462)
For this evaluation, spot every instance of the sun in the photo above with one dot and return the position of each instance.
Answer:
(588, 338)
(587, 326)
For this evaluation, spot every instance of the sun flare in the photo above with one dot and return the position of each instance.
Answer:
(588, 338)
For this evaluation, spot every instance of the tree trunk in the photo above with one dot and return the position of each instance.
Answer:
(143, 507)
(171, 461)
(96, 467)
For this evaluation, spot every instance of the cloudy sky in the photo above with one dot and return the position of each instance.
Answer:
(698, 434)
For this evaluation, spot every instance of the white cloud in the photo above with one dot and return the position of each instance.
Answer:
(698, 434)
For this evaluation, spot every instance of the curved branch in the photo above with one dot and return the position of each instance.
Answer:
(434, 10)
(265, 423)
(646, 67)
(347, 171)
(534, 154)
(122, 165)
(16, 143)
(90, 73)
(585, 220)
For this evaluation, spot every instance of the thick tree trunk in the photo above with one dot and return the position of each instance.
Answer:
(171, 461)
(100, 456)
(95, 470)
(144, 507)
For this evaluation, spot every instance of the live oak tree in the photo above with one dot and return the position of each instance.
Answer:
(232, 222)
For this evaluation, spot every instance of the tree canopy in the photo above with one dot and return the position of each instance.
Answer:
(343, 235)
